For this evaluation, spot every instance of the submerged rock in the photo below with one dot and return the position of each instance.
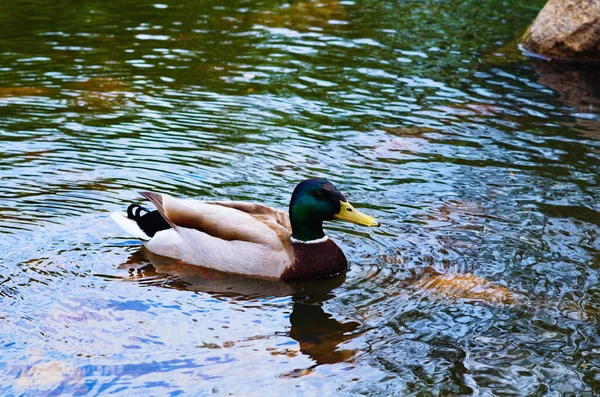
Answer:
(566, 29)
(466, 286)
(578, 82)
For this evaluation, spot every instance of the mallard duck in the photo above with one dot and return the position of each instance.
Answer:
(245, 238)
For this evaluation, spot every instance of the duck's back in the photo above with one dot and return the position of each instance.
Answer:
(233, 237)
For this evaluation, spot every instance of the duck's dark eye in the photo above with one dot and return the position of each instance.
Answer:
(320, 194)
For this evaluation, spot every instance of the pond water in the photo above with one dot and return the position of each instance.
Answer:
(423, 112)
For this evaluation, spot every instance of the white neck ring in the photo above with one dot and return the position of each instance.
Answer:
(316, 241)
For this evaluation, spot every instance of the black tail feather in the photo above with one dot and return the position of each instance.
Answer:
(137, 208)
(151, 222)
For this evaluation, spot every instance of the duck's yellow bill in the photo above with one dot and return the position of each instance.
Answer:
(351, 214)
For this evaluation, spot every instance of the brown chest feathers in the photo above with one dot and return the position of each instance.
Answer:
(315, 261)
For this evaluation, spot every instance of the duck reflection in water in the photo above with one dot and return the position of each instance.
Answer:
(317, 332)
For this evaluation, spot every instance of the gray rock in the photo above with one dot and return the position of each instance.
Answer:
(566, 29)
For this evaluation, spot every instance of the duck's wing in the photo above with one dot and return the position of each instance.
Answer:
(231, 221)
(274, 218)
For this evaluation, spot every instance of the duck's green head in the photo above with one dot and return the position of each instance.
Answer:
(317, 200)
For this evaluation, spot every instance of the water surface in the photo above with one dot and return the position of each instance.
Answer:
(423, 113)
